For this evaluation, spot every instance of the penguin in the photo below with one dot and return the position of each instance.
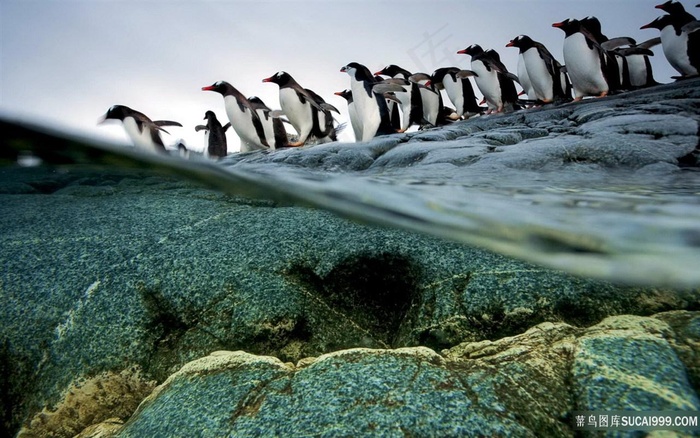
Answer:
(459, 89)
(304, 109)
(541, 68)
(214, 136)
(144, 132)
(493, 79)
(585, 60)
(411, 101)
(352, 112)
(371, 107)
(433, 108)
(680, 41)
(275, 133)
(634, 64)
(244, 119)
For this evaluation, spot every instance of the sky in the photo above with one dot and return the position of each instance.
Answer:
(64, 63)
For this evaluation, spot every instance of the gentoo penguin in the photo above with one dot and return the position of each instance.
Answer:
(680, 41)
(275, 133)
(144, 132)
(214, 136)
(545, 74)
(493, 79)
(244, 120)
(352, 112)
(459, 89)
(410, 100)
(585, 60)
(304, 109)
(372, 110)
(433, 108)
(634, 64)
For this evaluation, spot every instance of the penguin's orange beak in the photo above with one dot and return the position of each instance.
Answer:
(558, 25)
(343, 69)
(510, 44)
(209, 88)
(267, 79)
(462, 52)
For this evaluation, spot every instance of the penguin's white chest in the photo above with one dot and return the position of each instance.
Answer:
(524, 78)
(241, 121)
(454, 91)
(367, 110)
(487, 81)
(540, 78)
(298, 113)
(583, 65)
(141, 139)
(206, 143)
(676, 50)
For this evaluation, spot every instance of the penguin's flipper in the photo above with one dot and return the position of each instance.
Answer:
(512, 77)
(309, 96)
(276, 113)
(648, 44)
(466, 74)
(202, 127)
(691, 27)
(614, 43)
(166, 123)
(329, 107)
(381, 88)
(226, 126)
(392, 97)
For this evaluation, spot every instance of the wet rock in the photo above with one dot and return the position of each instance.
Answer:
(528, 385)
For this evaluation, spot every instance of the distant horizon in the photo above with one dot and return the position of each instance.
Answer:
(64, 64)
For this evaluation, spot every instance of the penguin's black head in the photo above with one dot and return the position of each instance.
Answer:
(209, 115)
(220, 87)
(472, 50)
(569, 26)
(521, 42)
(671, 7)
(280, 78)
(117, 112)
(393, 70)
(345, 94)
(358, 71)
(593, 25)
(659, 23)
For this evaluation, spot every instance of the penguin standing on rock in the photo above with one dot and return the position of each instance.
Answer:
(410, 100)
(144, 132)
(352, 112)
(459, 89)
(306, 111)
(493, 79)
(275, 134)
(243, 117)
(370, 104)
(585, 60)
(680, 38)
(214, 136)
(546, 76)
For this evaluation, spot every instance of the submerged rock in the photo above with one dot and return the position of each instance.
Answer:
(526, 385)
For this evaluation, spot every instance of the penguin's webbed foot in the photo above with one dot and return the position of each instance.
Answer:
(296, 144)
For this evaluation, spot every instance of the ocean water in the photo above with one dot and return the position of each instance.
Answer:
(612, 226)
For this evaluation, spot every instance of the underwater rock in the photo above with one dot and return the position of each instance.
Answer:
(525, 385)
